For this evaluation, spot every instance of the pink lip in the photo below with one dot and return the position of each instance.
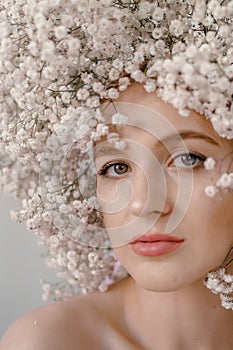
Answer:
(155, 244)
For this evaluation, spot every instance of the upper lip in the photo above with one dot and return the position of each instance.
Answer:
(156, 237)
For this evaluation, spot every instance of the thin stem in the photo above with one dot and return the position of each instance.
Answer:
(225, 264)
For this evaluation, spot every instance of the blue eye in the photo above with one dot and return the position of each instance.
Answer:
(188, 160)
(114, 169)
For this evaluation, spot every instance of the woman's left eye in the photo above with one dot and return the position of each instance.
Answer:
(188, 160)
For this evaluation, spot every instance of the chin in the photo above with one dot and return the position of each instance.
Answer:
(161, 285)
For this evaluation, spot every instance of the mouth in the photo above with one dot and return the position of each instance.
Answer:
(156, 237)
(155, 244)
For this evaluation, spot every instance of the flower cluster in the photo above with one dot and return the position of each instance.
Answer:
(59, 60)
(220, 282)
(225, 181)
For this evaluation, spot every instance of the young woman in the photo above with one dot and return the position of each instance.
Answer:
(163, 304)
(164, 190)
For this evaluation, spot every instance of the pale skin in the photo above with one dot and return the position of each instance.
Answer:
(163, 304)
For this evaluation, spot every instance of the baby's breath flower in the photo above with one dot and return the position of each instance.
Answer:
(209, 163)
(119, 118)
(113, 93)
(150, 85)
(226, 180)
(59, 61)
(177, 27)
(211, 190)
(123, 83)
(157, 33)
(83, 94)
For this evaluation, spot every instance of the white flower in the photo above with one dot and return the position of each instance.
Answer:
(224, 31)
(157, 33)
(65, 96)
(150, 85)
(48, 51)
(209, 163)
(119, 119)
(219, 12)
(93, 257)
(60, 32)
(118, 64)
(103, 287)
(71, 265)
(138, 76)
(212, 283)
(113, 93)
(229, 72)
(184, 112)
(177, 27)
(74, 45)
(120, 145)
(98, 87)
(211, 190)
(83, 94)
(101, 130)
(93, 202)
(114, 74)
(123, 83)
(158, 14)
(226, 180)
(228, 278)
(93, 102)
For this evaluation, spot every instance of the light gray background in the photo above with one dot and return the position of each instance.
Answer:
(21, 268)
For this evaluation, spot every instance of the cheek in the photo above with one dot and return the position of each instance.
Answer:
(114, 198)
(106, 192)
(106, 196)
(110, 221)
(223, 212)
(212, 215)
(115, 221)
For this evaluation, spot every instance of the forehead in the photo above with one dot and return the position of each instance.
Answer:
(150, 113)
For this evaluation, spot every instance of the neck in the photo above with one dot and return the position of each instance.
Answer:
(190, 318)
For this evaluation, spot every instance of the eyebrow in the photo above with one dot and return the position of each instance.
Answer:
(189, 135)
(108, 151)
(111, 150)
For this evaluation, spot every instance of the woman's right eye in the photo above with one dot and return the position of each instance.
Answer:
(114, 169)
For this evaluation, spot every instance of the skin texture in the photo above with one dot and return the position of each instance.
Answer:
(163, 303)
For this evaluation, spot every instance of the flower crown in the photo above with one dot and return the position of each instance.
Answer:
(59, 60)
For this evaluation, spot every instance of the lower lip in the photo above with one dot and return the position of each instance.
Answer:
(155, 248)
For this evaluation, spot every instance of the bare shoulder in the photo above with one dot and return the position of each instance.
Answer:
(60, 326)
(77, 323)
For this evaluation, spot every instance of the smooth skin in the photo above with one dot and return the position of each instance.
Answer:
(163, 304)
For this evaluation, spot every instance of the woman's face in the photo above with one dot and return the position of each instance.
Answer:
(156, 184)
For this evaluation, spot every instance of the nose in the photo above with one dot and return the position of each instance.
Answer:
(142, 200)
(150, 193)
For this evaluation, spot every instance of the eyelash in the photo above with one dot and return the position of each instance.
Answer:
(198, 156)
(104, 169)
